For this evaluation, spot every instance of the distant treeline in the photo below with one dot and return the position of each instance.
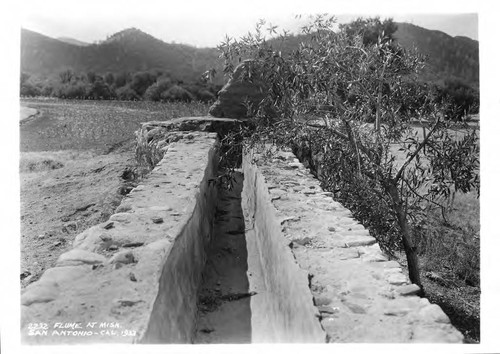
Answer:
(156, 85)
(457, 97)
(153, 85)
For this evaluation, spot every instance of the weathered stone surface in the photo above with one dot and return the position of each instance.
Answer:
(434, 313)
(397, 279)
(124, 257)
(157, 220)
(321, 300)
(40, 292)
(408, 290)
(121, 217)
(429, 334)
(357, 283)
(355, 308)
(356, 241)
(157, 296)
(78, 257)
(61, 275)
(397, 311)
(245, 85)
(87, 292)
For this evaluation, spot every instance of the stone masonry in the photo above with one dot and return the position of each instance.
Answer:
(137, 275)
(359, 294)
(116, 273)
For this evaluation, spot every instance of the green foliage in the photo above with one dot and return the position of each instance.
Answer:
(71, 91)
(66, 75)
(91, 77)
(127, 94)
(324, 97)
(109, 79)
(372, 30)
(155, 85)
(176, 93)
(121, 79)
(155, 91)
(141, 81)
(99, 90)
(462, 99)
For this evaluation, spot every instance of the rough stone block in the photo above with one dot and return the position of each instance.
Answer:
(39, 292)
(408, 290)
(357, 241)
(78, 257)
(434, 313)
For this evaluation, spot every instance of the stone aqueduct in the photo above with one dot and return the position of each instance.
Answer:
(311, 273)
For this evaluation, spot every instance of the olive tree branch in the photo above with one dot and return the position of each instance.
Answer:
(416, 152)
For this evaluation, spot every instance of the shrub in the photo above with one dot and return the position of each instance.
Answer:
(127, 94)
(176, 93)
(141, 81)
(71, 91)
(154, 92)
(30, 90)
(99, 90)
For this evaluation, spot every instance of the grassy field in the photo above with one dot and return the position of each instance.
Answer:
(93, 125)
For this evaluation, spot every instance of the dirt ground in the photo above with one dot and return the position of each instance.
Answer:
(224, 314)
(58, 204)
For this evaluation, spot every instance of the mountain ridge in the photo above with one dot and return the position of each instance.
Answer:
(133, 50)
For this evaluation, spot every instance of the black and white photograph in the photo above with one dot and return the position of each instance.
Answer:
(217, 176)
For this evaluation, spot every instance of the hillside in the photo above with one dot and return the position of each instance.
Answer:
(448, 57)
(130, 50)
(72, 41)
(43, 55)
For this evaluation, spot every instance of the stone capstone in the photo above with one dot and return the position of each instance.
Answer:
(79, 257)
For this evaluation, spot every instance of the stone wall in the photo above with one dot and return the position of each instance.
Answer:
(134, 277)
(359, 295)
(284, 311)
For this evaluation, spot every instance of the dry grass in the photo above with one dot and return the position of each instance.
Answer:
(451, 251)
(41, 161)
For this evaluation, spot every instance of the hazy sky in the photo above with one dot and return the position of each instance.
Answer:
(205, 23)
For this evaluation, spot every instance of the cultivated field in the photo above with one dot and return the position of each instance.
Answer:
(72, 163)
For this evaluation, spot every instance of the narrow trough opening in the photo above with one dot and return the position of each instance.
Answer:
(224, 314)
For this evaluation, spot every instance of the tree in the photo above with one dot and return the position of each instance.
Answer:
(154, 92)
(323, 96)
(141, 81)
(121, 79)
(109, 79)
(462, 98)
(99, 90)
(372, 30)
(125, 93)
(91, 77)
(66, 75)
(176, 93)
